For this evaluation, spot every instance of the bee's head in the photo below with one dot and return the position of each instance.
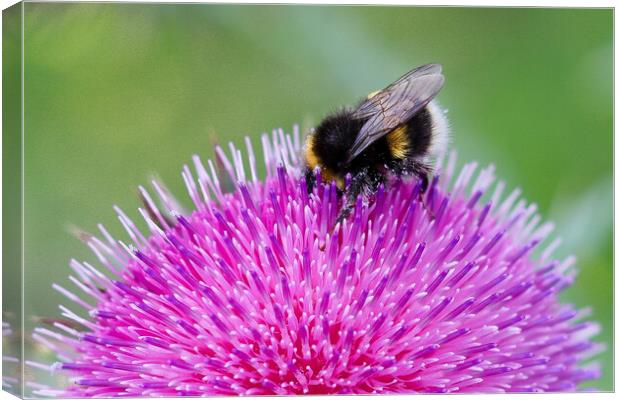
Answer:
(329, 172)
(328, 145)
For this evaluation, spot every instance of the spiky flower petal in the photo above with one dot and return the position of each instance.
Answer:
(255, 292)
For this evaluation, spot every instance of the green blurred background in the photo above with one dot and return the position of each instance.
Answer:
(116, 92)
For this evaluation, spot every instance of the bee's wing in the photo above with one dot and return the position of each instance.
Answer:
(395, 105)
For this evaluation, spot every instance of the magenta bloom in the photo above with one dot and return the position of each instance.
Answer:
(255, 293)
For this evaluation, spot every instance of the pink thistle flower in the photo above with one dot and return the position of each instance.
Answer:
(255, 292)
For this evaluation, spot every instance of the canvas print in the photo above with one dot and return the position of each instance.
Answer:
(233, 200)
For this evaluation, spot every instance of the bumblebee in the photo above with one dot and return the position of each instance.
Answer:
(397, 131)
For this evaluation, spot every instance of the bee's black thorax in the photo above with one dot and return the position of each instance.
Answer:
(333, 138)
(332, 141)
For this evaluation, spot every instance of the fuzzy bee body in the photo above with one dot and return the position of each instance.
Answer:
(394, 131)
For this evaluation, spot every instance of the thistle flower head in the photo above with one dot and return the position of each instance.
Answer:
(255, 292)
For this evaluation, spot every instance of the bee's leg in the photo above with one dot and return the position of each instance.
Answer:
(310, 180)
(414, 168)
(345, 211)
(422, 172)
(364, 182)
(353, 191)
(424, 181)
